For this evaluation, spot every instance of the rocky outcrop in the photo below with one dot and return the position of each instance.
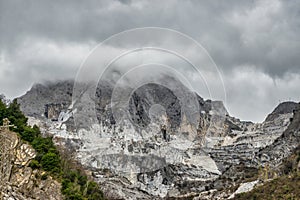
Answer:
(52, 110)
(284, 145)
(282, 108)
(17, 180)
(34, 102)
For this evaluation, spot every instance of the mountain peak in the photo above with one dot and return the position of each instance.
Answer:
(282, 108)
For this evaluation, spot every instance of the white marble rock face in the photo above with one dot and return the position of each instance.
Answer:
(160, 160)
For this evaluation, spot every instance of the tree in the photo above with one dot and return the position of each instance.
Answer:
(34, 164)
(3, 111)
(51, 162)
(15, 116)
(28, 134)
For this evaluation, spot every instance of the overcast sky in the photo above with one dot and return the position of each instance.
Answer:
(256, 44)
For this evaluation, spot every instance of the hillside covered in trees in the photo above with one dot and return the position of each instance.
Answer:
(76, 185)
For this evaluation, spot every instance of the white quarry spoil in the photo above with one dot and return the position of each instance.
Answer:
(244, 187)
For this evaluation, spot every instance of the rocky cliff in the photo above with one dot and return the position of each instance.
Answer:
(18, 180)
(175, 155)
(284, 145)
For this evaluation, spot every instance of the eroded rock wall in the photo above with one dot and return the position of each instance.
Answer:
(17, 180)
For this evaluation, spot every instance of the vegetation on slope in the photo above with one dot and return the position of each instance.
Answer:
(75, 183)
(286, 186)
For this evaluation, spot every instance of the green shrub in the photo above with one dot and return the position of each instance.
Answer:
(93, 191)
(51, 162)
(71, 175)
(43, 145)
(28, 134)
(65, 184)
(76, 196)
(34, 164)
(82, 180)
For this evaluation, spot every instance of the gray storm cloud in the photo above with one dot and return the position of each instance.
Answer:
(255, 44)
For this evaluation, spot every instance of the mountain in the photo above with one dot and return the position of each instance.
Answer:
(161, 147)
